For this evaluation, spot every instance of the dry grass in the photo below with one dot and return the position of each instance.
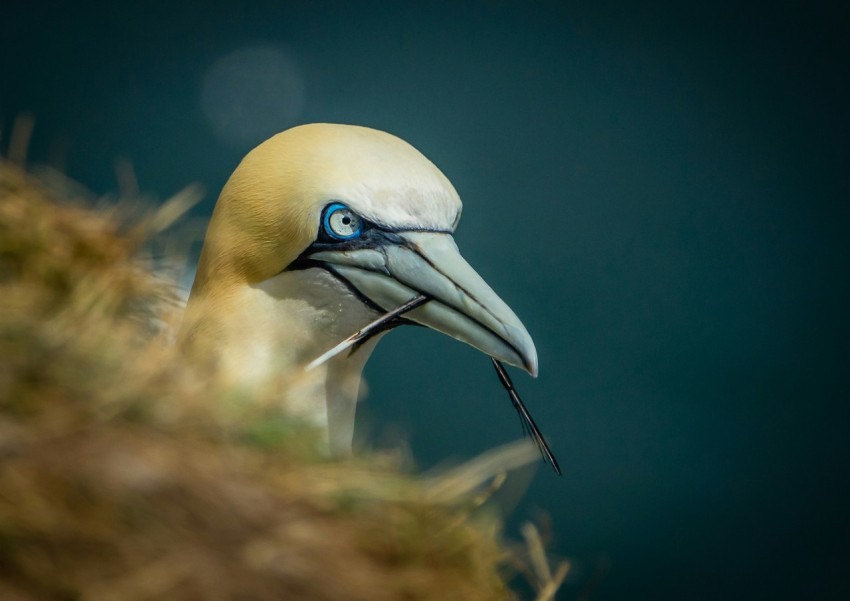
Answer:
(126, 474)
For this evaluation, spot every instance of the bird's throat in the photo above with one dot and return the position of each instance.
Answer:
(264, 335)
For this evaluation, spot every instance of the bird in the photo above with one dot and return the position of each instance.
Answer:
(321, 230)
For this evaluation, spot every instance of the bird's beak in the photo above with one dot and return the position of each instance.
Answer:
(462, 305)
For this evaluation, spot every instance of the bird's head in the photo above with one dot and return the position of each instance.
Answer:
(371, 211)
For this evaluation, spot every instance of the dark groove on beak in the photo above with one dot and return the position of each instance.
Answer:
(414, 248)
(305, 262)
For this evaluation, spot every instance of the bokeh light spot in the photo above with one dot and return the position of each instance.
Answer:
(252, 93)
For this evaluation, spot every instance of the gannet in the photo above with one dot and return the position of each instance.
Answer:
(319, 230)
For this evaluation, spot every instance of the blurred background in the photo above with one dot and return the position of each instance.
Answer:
(659, 190)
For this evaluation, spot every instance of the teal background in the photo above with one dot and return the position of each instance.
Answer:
(659, 190)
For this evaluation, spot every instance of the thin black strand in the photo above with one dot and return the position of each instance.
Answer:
(529, 427)
(386, 321)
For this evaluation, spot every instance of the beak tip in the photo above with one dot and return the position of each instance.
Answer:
(528, 358)
(531, 366)
(524, 353)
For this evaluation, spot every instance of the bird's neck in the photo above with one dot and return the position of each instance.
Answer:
(265, 334)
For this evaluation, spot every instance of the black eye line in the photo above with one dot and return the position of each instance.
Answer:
(366, 225)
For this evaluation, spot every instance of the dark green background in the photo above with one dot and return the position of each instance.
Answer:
(660, 191)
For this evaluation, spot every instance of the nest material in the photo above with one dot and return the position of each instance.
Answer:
(126, 475)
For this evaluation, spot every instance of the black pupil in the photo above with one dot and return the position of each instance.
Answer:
(346, 220)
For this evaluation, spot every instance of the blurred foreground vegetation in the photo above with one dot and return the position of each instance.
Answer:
(126, 474)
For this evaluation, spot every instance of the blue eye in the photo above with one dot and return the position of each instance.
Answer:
(341, 223)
